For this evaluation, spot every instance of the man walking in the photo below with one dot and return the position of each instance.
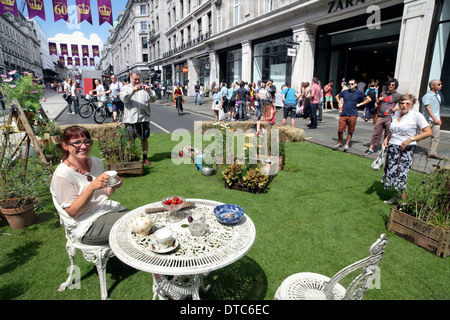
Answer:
(347, 119)
(197, 93)
(314, 102)
(136, 98)
(431, 110)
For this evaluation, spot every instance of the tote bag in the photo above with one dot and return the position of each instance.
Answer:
(380, 160)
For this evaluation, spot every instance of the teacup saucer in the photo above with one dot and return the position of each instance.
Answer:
(155, 247)
(113, 185)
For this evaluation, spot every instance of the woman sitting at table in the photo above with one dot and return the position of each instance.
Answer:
(400, 143)
(79, 188)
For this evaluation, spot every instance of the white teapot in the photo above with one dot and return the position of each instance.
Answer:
(142, 224)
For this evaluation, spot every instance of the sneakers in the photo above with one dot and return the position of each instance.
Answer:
(337, 146)
(346, 148)
(368, 151)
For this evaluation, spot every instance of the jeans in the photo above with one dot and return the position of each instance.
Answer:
(197, 96)
(313, 114)
(242, 110)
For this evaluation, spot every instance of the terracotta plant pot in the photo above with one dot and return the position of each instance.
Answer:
(19, 218)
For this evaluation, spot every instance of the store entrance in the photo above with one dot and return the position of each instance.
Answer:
(369, 61)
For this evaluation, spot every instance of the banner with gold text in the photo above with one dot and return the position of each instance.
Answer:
(64, 50)
(96, 51)
(104, 11)
(85, 62)
(69, 61)
(9, 6)
(36, 9)
(85, 50)
(62, 60)
(75, 51)
(84, 11)
(92, 61)
(77, 61)
(53, 49)
(60, 10)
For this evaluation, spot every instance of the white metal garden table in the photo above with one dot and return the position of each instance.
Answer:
(180, 272)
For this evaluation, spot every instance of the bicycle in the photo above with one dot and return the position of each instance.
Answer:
(101, 113)
(87, 109)
(178, 102)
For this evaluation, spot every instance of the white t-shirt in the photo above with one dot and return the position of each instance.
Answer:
(67, 185)
(407, 127)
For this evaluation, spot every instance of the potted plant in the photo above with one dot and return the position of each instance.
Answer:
(120, 153)
(424, 216)
(255, 181)
(19, 190)
(26, 89)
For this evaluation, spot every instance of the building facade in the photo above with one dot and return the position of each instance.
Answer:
(19, 45)
(288, 41)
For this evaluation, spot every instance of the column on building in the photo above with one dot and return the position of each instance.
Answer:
(214, 71)
(192, 76)
(303, 64)
(412, 47)
(247, 61)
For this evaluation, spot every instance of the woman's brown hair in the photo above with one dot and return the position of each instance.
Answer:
(73, 132)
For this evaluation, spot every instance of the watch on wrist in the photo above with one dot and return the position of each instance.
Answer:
(412, 139)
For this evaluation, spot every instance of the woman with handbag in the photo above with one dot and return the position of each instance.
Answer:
(401, 143)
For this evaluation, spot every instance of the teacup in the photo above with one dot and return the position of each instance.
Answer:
(112, 177)
(163, 237)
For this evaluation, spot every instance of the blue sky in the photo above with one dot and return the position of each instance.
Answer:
(64, 32)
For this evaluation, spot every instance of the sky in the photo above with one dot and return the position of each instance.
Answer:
(73, 32)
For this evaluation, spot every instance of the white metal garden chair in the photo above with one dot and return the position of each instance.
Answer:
(313, 286)
(98, 254)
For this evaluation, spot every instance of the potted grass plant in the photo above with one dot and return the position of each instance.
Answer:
(424, 216)
(120, 153)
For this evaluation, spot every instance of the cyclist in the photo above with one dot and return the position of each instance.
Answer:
(178, 96)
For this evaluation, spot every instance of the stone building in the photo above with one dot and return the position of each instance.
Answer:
(19, 45)
(289, 41)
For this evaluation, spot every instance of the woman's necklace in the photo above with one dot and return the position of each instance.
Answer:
(87, 173)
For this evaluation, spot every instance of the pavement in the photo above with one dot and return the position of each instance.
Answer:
(325, 134)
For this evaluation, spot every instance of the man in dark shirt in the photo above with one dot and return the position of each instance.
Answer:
(349, 115)
(197, 93)
(241, 97)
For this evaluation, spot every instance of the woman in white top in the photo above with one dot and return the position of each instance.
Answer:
(100, 91)
(401, 143)
(79, 190)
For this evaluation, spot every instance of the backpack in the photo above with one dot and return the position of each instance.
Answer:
(372, 94)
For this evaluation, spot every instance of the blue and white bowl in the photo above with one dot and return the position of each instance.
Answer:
(228, 213)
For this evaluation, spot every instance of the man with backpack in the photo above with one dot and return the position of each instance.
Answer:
(383, 117)
(370, 108)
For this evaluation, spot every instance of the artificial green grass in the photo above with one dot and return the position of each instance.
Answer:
(319, 215)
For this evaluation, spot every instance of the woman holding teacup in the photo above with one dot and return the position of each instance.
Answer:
(401, 143)
(82, 189)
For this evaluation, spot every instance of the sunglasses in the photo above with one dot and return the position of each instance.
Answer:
(77, 144)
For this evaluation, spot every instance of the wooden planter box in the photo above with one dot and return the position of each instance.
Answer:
(432, 238)
(126, 168)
